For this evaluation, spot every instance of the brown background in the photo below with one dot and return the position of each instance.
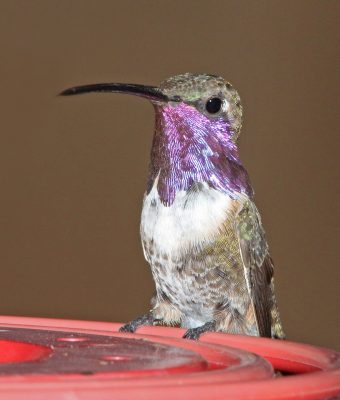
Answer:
(73, 170)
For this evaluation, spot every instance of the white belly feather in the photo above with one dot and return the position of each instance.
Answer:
(193, 218)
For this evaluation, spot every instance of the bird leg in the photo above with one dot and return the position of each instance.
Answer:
(145, 319)
(195, 333)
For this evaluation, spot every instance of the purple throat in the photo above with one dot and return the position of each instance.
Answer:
(189, 148)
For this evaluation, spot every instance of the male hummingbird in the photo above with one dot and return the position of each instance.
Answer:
(201, 231)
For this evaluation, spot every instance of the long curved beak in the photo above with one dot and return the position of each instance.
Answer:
(152, 93)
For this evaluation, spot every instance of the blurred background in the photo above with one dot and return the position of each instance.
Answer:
(73, 170)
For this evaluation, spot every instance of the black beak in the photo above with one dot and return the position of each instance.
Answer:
(149, 92)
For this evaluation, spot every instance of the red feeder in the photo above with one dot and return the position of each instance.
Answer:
(79, 360)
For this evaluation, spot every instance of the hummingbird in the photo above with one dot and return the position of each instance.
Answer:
(200, 229)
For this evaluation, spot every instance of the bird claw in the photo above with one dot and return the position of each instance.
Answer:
(195, 333)
(131, 327)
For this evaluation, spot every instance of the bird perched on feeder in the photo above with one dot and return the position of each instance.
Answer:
(201, 231)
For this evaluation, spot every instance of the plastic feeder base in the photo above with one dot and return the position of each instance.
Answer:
(82, 360)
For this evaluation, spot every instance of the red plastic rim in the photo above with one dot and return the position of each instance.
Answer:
(61, 359)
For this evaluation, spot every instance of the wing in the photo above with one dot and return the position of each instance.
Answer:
(258, 266)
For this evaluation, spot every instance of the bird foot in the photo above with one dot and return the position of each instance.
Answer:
(146, 319)
(195, 333)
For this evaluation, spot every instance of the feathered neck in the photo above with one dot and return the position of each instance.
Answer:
(188, 148)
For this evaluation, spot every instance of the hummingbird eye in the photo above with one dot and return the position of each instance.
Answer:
(213, 105)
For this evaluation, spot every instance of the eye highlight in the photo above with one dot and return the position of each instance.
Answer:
(213, 105)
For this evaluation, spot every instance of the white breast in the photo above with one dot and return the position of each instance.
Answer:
(193, 218)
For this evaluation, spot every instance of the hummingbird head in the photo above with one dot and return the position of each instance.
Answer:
(212, 100)
(198, 121)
